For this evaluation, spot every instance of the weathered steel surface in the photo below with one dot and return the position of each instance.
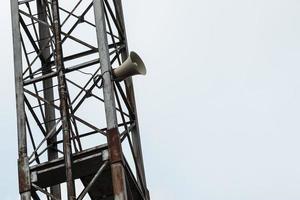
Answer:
(50, 99)
(85, 163)
(111, 117)
(23, 167)
(64, 110)
(24, 174)
(114, 144)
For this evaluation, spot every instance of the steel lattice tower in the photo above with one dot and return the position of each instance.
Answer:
(78, 132)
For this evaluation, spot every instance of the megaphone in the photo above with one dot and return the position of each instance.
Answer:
(133, 65)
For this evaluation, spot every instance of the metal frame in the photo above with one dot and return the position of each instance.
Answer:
(63, 58)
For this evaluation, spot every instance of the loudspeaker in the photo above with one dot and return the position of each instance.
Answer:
(133, 65)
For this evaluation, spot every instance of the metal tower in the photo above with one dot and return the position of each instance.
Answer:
(78, 132)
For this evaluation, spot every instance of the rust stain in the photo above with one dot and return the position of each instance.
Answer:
(114, 145)
(118, 179)
(24, 175)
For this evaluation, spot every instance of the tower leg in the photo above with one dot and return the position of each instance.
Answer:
(25, 196)
(44, 35)
(114, 143)
(23, 165)
(63, 95)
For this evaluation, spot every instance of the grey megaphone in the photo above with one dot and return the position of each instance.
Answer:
(133, 65)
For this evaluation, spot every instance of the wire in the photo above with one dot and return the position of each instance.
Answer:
(96, 78)
(86, 73)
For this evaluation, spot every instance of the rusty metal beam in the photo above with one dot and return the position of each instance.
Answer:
(113, 137)
(23, 165)
(63, 94)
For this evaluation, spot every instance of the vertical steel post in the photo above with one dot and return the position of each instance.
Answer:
(23, 164)
(63, 95)
(44, 36)
(131, 99)
(113, 138)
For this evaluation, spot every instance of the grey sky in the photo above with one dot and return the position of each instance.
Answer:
(220, 107)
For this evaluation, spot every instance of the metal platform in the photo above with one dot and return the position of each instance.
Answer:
(85, 165)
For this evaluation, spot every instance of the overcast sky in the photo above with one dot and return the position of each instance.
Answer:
(219, 109)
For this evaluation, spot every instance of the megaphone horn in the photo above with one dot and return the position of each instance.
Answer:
(133, 65)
